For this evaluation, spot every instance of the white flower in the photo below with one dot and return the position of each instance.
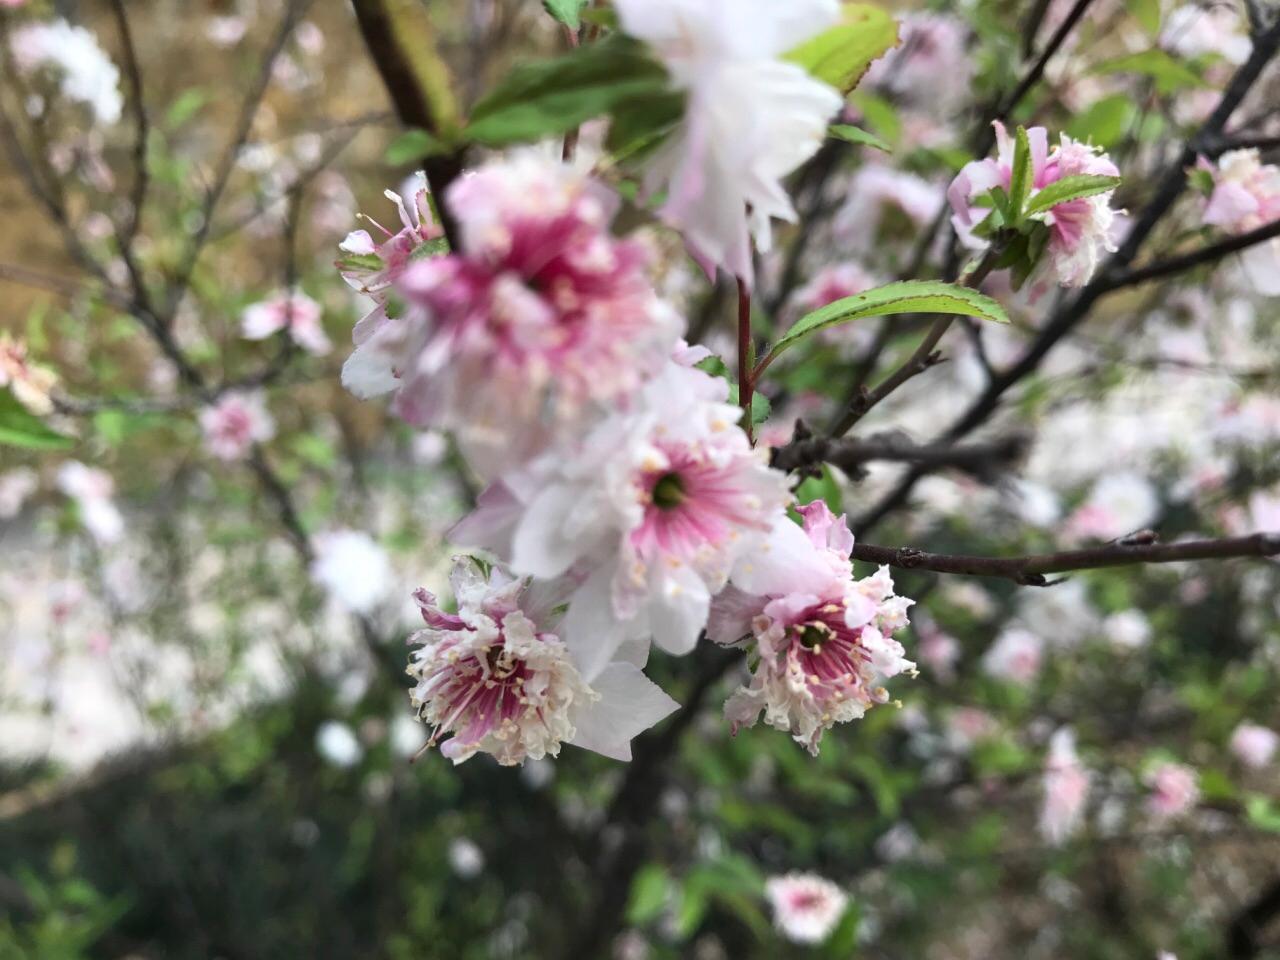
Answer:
(1253, 745)
(1016, 656)
(750, 117)
(806, 907)
(92, 490)
(1118, 504)
(354, 570)
(295, 313)
(87, 73)
(496, 678)
(338, 745)
(465, 858)
(15, 487)
(1128, 629)
(1194, 30)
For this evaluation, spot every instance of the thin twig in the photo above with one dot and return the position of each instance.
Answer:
(1196, 258)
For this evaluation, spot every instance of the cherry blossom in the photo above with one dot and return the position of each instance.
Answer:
(1079, 230)
(806, 907)
(1246, 195)
(1194, 30)
(30, 382)
(86, 74)
(295, 313)
(824, 639)
(373, 266)
(236, 422)
(1254, 745)
(750, 117)
(1066, 788)
(1174, 790)
(1016, 656)
(92, 490)
(497, 679)
(15, 487)
(353, 568)
(538, 322)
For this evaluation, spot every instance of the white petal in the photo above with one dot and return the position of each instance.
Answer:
(678, 614)
(786, 561)
(541, 547)
(629, 703)
(590, 628)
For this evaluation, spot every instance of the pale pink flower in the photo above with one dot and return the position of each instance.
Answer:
(876, 189)
(15, 487)
(823, 639)
(1195, 30)
(30, 382)
(1254, 745)
(373, 266)
(353, 569)
(1127, 629)
(930, 68)
(226, 31)
(92, 490)
(497, 678)
(1079, 230)
(1016, 655)
(295, 313)
(806, 907)
(1246, 195)
(236, 422)
(831, 284)
(1066, 789)
(1174, 790)
(967, 726)
(14, 4)
(652, 509)
(938, 652)
(1119, 504)
(541, 320)
(750, 117)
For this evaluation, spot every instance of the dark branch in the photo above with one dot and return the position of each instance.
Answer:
(1032, 570)
(1196, 258)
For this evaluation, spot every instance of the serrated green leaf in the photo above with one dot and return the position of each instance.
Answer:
(852, 134)
(907, 296)
(1020, 180)
(1069, 188)
(1169, 74)
(760, 405)
(412, 146)
(19, 427)
(841, 55)
(568, 12)
(549, 97)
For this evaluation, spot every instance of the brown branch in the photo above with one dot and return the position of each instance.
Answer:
(1032, 570)
(1196, 258)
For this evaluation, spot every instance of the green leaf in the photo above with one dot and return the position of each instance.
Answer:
(907, 296)
(412, 146)
(1020, 182)
(880, 115)
(1104, 122)
(841, 55)
(847, 131)
(19, 427)
(641, 123)
(760, 405)
(185, 106)
(1071, 188)
(1262, 812)
(1147, 13)
(1169, 74)
(549, 97)
(649, 892)
(568, 12)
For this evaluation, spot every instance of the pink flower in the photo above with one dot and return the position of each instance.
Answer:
(16, 486)
(235, 423)
(541, 321)
(806, 907)
(938, 652)
(495, 677)
(296, 313)
(1079, 230)
(1066, 789)
(750, 117)
(1174, 790)
(651, 510)
(823, 638)
(834, 283)
(1195, 30)
(29, 382)
(1118, 504)
(1016, 656)
(1254, 745)
(930, 68)
(1246, 195)
(373, 266)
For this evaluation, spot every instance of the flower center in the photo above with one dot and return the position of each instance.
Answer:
(668, 492)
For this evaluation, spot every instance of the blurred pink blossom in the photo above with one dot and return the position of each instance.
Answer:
(1174, 790)
(1066, 789)
(1254, 745)
(235, 423)
(806, 906)
(295, 313)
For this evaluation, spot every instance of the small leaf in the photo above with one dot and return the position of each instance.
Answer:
(19, 427)
(760, 405)
(568, 12)
(1169, 74)
(412, 146)
(847, 131)
(649, 891)
(641, 123)
(1069, 188)
(841, 55)
(907, 296)
(1020, 182)
(1105, 122)
(548, 97)
(1262, 812)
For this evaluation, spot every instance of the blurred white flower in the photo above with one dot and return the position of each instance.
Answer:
(1119, 504)
(806, 907)
(337, 744)
(407, 735)
(86, 72)
(15, 487)
(92, 489)
(1015, 656)
(1127, 630)
(1066, 788)
(1174, 790)
(354, 570)
(465, 858)
(1254, 745)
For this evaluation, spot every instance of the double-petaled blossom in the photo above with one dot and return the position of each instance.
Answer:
(294, 313)
(30, 382)
(1066, 788)
(233, 424)
(496, 677)
(750, 117)
(1079, 230)
(372, 266)
(1254, 745)
(823, 639)
(651, 511)
(537, 322)
(806, 906)
(1246, 195)
(1175, 789)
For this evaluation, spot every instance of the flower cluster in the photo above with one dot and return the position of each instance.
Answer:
(29, 382)
(1246, 196)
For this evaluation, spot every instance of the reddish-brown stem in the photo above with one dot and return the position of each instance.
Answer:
(746, 379)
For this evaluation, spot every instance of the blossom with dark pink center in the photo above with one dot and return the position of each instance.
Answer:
(1079, 230)
(294, 313)
(493, 678)
(824, 640)
(235, 423)
(806, 907)
(537, 322)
